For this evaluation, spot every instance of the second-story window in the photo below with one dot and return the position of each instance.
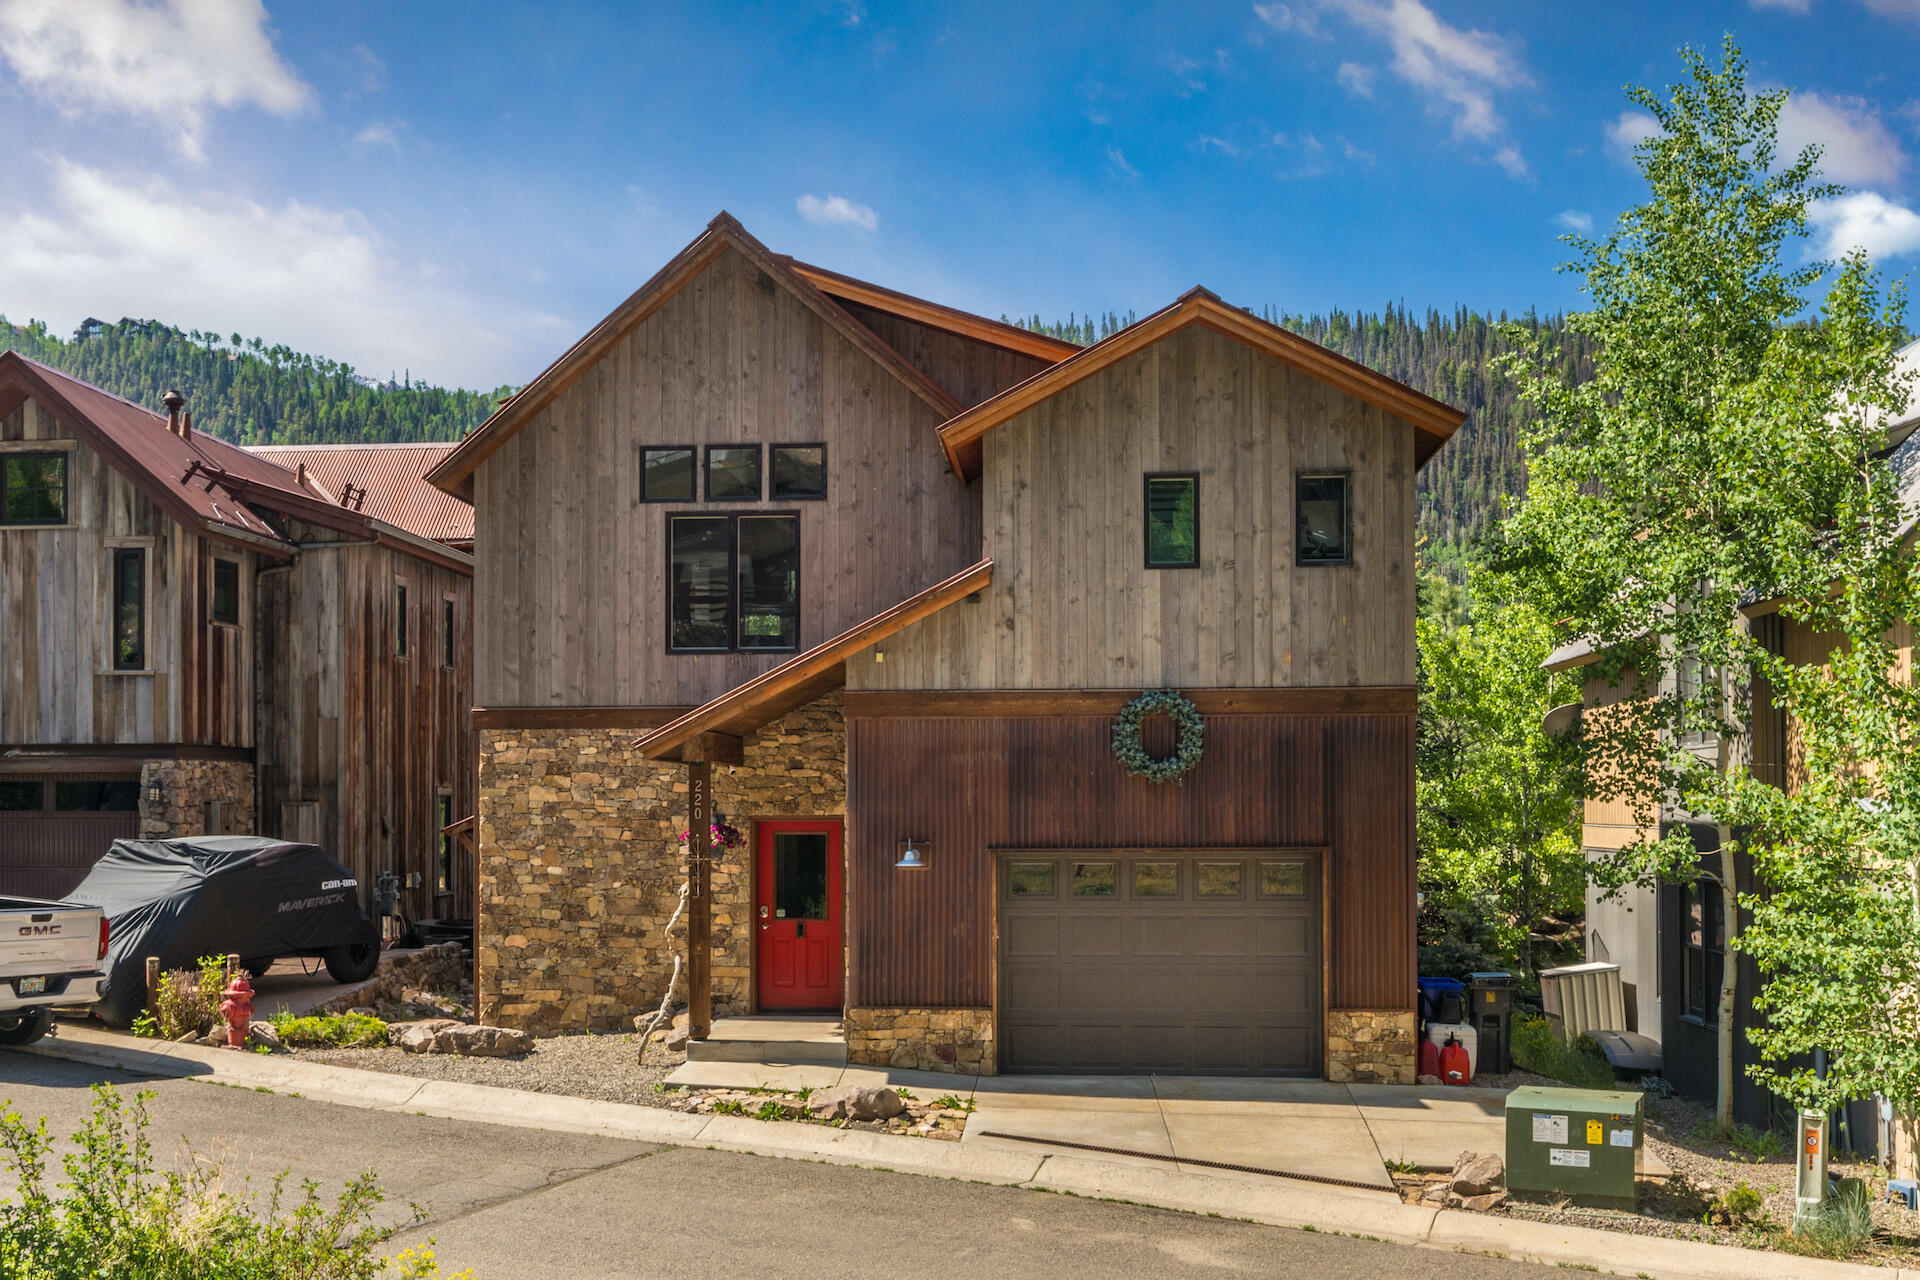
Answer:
(1323, 528)
(1173, 520)
(129, 638)
(799, 470)
(226, 591)
(666, 473)
(733, 583)
(33, 488)
(733, 473)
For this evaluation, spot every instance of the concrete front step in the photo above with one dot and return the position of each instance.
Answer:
(789, 1040)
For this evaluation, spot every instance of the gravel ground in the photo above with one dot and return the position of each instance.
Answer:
(1704, 1169)
(597, 1065)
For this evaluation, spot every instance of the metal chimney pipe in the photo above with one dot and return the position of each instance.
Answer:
(173, 400)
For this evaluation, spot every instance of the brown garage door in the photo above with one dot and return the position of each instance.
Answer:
(1187, 963)
(54, 827)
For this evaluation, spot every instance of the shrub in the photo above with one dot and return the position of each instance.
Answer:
(330, 1030)
(1840, 1227)
(115, 1217)
(186, 1001)
(1742, 1203)
(1581, 1064)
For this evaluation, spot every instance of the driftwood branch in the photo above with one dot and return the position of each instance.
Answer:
(673, 983)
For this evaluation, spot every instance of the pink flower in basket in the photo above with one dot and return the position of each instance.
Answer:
(723, 837)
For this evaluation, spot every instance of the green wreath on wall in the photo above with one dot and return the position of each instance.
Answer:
(1126, 736)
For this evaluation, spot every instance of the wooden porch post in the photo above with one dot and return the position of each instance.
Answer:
(699, 900)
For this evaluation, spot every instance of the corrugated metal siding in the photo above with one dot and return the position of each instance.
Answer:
(971, 786)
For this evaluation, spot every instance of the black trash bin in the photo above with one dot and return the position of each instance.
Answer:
(1490, 1014)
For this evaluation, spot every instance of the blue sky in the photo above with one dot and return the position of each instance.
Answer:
(462, 189)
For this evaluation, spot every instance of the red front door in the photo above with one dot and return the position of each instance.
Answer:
(797, 907)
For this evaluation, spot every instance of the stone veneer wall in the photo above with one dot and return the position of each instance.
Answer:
(187, 786)
(581, 867)
(955, 1040)
(1372, 1046)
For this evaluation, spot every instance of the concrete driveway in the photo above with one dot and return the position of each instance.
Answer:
(1345, 1132)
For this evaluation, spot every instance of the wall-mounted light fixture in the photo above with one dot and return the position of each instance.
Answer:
(913, 856)
(155, 794)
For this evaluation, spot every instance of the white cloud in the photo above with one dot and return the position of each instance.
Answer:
(1121, 165)
(837, 211)
(1458, 72)
(1791, 6)
(317, 279)
(1208, 142)
(1576, 221)
(1354, 153)
(378, 133)
(373, 72)
(1857, 148)
(1907, 9)
(169, 61)
(1356, 79)
(1629, 130)
(641, 201)
(1865, 220)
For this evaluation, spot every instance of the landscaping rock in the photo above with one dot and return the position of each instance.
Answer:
(485, 1042)
(1480, 1204)
(1429, 1078)
(856, 1102)
(262, 1033)
(676, 1041)
(418, 1037)
(1477, 1175)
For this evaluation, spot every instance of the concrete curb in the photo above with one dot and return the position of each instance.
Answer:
(1376, 1215)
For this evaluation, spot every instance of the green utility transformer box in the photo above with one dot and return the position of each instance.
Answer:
(1576, 1144)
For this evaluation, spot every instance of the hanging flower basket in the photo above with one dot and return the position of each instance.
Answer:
(723, 837)
(1126, 736)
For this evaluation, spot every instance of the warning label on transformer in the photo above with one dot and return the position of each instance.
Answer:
(1574, 1159)
(1549, 1128)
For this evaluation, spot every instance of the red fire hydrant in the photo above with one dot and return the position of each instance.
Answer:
(237, 1009)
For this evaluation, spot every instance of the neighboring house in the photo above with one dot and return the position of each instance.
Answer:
(887, 572)
(195, 638)
(1670, 940)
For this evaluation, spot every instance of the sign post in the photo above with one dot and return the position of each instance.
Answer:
(699, 900)
(1810, 1176)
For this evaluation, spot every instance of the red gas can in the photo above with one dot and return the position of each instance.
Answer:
(1429, 1058)
(1455, 1066)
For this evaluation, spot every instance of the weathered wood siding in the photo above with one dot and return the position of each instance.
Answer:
(1072, 605)
(964, 368)
(366, 736)
(571, 565)
(57, 682)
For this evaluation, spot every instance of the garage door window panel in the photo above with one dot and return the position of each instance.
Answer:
(97, 797)
(1095, 880)
(1156, 879)
(1219, 879)
(1030, 879)
(1283, 879)
(21, 797)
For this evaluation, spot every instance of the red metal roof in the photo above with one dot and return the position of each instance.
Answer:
(393, 476)
(139, 441)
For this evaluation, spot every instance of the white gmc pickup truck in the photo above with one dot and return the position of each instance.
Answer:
(50, 957)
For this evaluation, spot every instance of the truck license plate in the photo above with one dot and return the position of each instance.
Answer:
(30, 986)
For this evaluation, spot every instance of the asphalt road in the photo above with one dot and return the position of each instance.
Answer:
(525, 1203)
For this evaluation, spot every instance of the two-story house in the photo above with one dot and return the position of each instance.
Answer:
(885, 576)
(199, 638)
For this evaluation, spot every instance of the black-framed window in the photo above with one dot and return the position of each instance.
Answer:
(33, 488)
(1173, 519)
(666, 473)
(443, 857)
(798, 471)
(21, 795)
(1322, 518)
(400, 622)
(448, 651)
(226, 591)
(733, 473)
(1703, 939)
(129, 636)
(733, 583)
(120, 795)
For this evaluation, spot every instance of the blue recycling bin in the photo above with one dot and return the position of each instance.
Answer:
(1442, 1000)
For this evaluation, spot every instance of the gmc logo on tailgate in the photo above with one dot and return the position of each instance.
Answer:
(38, 930)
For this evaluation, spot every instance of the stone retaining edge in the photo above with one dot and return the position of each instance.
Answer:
(1373, 1215)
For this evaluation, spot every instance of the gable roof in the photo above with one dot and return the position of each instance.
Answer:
(455, 473)
(138, 443)
(994, 332)
(805, 676)
(393, 477)
(1433, 421)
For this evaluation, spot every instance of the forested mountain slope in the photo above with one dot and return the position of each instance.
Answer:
(249, 392)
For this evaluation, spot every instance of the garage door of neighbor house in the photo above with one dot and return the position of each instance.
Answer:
(54, 827)
(1200, 963)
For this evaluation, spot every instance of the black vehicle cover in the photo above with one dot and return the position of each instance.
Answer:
(214, 895)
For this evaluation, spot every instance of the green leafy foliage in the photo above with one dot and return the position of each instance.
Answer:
(348, 1030)
(186, 1000)
(1539, 1049)
(1498, 797)
(250, 392)
(1839, 1228)
(115, 1216)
